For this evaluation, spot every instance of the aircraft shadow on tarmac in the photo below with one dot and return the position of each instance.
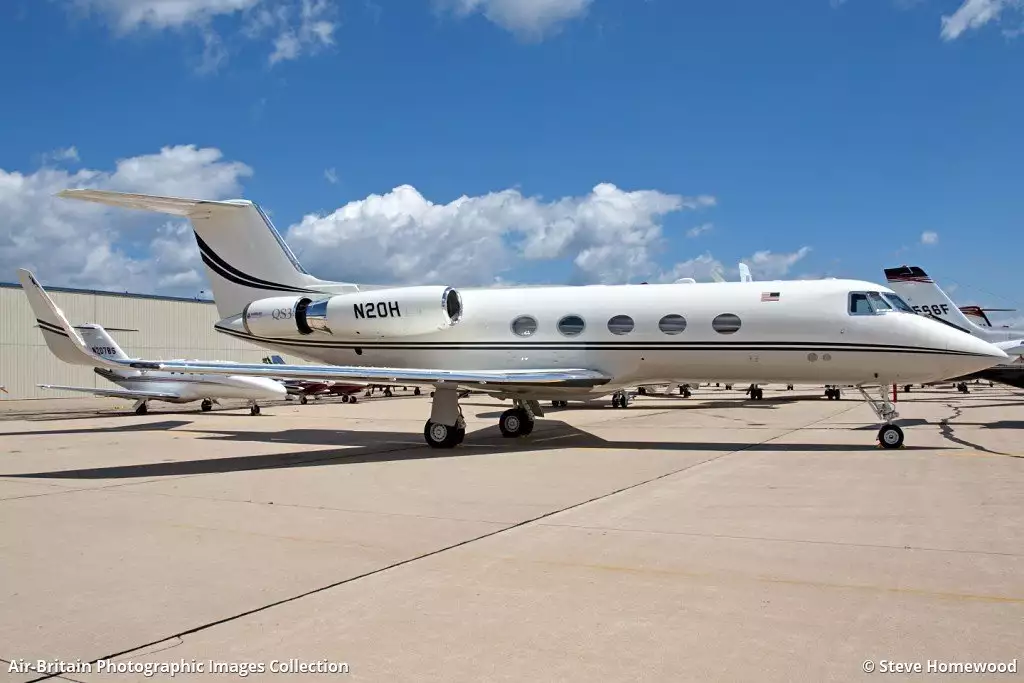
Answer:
(133, 427)
(367, 447)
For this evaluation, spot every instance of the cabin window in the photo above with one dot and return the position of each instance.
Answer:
(672, 324)
(524, 326)
(620, 324)
(571, 325)
(726, 323)
(859, 304)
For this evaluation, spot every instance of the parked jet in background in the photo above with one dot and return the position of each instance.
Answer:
(927, 298)
(141, 385)
(306, 388)
(547, 343)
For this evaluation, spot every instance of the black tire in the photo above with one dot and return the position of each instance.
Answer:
(890, 436)
(142, 410)
(303, 399)
(416, 391)
(438, 435)
(345, 398)
(255, 410)
(460, 435)
(514, 422)
(206, 405)
(352, 399)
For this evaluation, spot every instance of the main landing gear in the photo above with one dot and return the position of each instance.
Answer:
(141, 407)
(620, 399)
(890, 435)
(684, 390)
(446, 427)
(833, 393)
(254, 408)
(206, 405)
(756, 392)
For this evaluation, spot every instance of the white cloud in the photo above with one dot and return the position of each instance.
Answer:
(929, 237)
(699, 230)
(527, 19)
(609, 234)
(294, 27)
(974, 14)
(61, 154)
(87, 245)
(764, 265)
(331, 175)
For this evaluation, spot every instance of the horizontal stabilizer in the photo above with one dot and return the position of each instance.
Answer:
(112, 393)
(143, 202)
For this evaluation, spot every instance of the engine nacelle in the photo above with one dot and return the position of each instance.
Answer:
(395, 312)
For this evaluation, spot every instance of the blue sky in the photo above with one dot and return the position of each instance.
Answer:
(832, 135)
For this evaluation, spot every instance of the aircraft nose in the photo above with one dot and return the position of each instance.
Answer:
(969, 354)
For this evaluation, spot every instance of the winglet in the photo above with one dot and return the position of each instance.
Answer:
(61, 338)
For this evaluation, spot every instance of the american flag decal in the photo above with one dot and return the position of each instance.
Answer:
(769, 296)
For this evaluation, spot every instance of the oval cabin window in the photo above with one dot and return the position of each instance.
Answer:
(571, 325)
(672, 324)
(620, 324)
(524, 326)
(727, 323)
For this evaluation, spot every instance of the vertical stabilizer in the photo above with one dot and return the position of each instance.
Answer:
(745, 275)
(245, 257)
(921, 292)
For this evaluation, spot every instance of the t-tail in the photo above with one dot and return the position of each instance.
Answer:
(245, 257)
(921, 292)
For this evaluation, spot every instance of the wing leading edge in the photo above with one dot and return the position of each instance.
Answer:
(78, 353)
(111, 393)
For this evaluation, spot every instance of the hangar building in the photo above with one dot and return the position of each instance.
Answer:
(149, 326)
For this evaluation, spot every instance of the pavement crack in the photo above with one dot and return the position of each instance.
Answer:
(946, 431)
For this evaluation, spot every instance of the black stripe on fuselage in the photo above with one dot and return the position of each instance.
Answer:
(593, 346)
(232, 274)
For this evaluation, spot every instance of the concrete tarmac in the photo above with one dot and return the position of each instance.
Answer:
(702, 539)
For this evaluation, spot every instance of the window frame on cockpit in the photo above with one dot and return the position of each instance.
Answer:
(869, 297)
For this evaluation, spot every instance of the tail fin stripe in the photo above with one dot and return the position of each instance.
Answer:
(229, 272)
(244, 283)
(50, 327)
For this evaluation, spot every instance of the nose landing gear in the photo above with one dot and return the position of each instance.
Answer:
(890, 435)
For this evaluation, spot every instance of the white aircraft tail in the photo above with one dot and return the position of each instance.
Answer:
(245, 257)
(921, 292)
(61, 338)
(57, 333)
(100, 341)
(745, 275)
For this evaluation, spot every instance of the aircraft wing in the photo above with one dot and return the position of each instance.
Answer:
(1014, 347)
(112, 393)
(73, 350)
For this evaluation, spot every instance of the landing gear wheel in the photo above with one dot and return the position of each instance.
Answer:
(438, 435)
(352, 398)
(303, 399)
(416, 391)
(345, 398)
(515, 422)
(460, 435)
(890, 436)
(255, 410)
(206, 405)
(142, 409)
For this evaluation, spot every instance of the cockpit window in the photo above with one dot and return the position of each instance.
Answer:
(859, 304)
(898, 303)
(878, 302)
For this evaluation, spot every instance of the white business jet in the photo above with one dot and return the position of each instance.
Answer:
(547, 343)
(145, 385)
